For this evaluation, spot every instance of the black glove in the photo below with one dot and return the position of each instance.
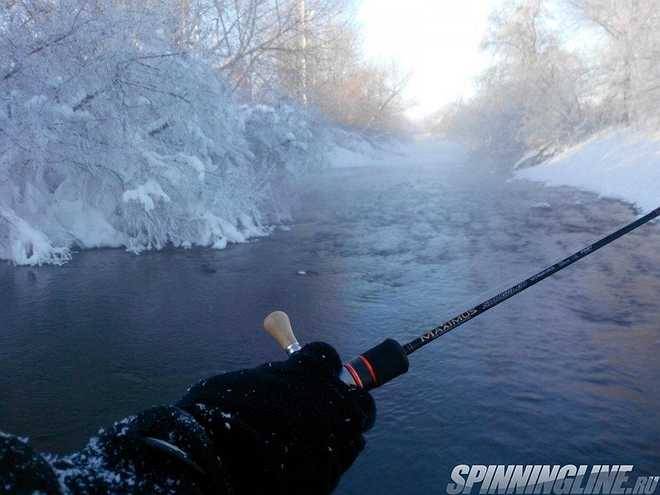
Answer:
(286, 427)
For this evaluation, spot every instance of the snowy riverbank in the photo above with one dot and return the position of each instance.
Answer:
(621, 164)
(207, 174)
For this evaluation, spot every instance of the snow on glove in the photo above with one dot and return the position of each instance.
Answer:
(288, 427)
(285, 427)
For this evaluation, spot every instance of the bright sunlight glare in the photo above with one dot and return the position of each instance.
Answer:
(435, 41)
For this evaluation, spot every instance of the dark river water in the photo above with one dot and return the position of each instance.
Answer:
(567, 372)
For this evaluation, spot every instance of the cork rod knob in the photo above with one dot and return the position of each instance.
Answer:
(278, 326)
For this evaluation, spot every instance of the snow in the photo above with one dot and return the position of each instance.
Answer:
(137, 155)
(146, 194)
(90, 230)
(26, 245)
(619, 163)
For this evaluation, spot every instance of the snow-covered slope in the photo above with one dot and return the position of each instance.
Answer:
(621, 164)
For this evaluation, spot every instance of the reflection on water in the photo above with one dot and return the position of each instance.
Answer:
(567, 372)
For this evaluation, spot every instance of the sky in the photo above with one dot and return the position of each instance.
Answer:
(435, 41)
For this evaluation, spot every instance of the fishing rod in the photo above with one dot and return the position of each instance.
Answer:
(389, 359)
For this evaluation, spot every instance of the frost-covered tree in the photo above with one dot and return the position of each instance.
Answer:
(305, 50)
(113, 133)
(544, 92)
(531, 96)
(342, 85)
(145, 123)
(629, 62)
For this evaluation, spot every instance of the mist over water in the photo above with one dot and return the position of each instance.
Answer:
(567, 372)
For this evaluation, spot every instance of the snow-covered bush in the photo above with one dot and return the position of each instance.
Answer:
(111, 135)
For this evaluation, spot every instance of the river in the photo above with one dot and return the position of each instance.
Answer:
(567, 372)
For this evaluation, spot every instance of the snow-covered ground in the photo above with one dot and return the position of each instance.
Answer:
(429, 152)
(621, 164)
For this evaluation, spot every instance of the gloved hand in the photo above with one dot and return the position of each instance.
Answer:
(285, 427)
(289, 427)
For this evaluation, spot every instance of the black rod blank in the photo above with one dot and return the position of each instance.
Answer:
(466, 316)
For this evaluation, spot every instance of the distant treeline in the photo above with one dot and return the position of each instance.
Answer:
(307, 51)
(561, 70)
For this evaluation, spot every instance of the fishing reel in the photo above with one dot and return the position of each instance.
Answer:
(369, 370)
